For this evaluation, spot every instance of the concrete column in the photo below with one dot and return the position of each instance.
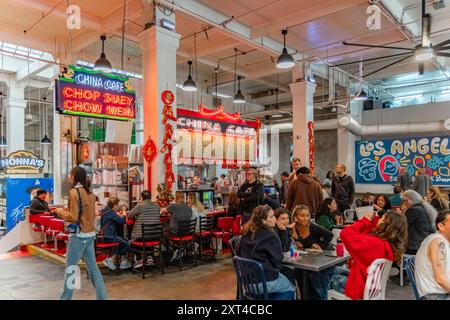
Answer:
(159, 47)
(303, 112)
(15, 117)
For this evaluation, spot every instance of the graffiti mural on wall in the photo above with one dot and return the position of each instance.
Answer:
(378, 161)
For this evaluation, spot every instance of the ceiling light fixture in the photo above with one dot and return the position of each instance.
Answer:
(285, 60)
(362, 96)
(189, 84)
(103, 64)
(239, 97)
(423, 54)
(45, 139)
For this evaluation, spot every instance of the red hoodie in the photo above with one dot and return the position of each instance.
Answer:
(364, 249)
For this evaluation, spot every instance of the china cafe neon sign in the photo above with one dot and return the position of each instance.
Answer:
(84, 92)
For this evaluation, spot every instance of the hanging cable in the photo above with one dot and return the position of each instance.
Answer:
(123, 31)
(70, 36)
(196, 65)
(235, 69)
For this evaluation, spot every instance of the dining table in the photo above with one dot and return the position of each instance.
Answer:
(309, 261)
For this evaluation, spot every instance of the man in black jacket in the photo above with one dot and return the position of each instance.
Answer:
(38, 204)
(342, 188)
(404, 180)
(251, 194)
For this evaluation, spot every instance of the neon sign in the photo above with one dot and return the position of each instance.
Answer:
(84, 92)
(22, 162)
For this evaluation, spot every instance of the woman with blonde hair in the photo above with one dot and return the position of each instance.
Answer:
(198, 210)
(437, 199)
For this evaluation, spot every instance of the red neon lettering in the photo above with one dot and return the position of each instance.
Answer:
(69, 92)
(117, 99)
(81, 106)
(120, 111)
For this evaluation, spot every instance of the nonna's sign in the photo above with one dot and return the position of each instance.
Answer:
(378, 161)
(22, 162)
(90, 93)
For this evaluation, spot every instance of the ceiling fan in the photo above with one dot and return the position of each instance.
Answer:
(422, 52)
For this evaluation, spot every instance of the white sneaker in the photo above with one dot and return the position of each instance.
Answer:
(125, 264)
(139, 264)
(110, 264)
(150, 261)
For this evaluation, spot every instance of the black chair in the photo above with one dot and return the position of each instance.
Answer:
(410, 263)
(184, 240)
(205, 235)
(110, 248)
(252, 284)
(234, 244)
(152, 238)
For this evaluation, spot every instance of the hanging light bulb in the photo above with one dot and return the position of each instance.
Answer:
(45, 139)
(285, 60)
(103, 64)
(239, 97)
(189, 84)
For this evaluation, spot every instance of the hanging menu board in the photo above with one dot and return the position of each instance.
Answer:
(214, 136)
(89, 93)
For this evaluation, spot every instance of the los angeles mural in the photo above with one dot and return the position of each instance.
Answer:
(378, 161)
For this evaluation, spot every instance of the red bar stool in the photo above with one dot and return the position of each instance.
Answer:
(34, 219)
(225, 224)
(57, 226)
(237, 225)
(44, 221)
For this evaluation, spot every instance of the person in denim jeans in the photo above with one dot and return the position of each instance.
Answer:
(81, 243)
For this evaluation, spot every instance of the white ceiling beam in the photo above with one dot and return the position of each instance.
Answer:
(233, 29)
(311, 10)
(397, 9)
(210, 47)
(34, 68)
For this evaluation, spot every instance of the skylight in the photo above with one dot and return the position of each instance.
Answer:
(18, 51)
(128, 74)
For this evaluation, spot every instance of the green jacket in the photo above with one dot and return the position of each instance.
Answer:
(326, 221)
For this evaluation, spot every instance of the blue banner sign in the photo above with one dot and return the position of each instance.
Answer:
(19, 193)
(378, 161)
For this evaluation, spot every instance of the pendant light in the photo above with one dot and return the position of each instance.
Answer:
(45, 139)
(239, 97)
(103, 64)
(189, 84)
(285, 60)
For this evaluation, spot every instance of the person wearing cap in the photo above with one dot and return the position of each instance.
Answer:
(38, 204)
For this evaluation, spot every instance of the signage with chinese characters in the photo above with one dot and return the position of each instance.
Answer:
(89, 93)
(378, 161)
(22, 162)
(214, 136)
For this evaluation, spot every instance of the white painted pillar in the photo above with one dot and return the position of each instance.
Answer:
(15, 117)
(303, 112)
(159, 47)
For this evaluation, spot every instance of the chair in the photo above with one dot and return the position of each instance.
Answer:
(402, 268)
(237, 225)
(205, 234)
(57, 226)
(34, 220)
(109, 247)
(251, 281)
(336, 233)
(225, 224)
(375, 289)
(152, 237)
(234, 244)
(409, 263)
(184, 239)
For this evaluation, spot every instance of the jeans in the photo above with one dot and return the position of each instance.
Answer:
(339, 279)
(78, 248)
(436, 296)
(319, 283)
(282, 284)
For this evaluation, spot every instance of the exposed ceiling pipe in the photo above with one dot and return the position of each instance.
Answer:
(358, 129)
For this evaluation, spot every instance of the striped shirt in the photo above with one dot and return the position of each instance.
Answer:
(145, 212)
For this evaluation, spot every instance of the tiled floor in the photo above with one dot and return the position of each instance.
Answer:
(34, 277)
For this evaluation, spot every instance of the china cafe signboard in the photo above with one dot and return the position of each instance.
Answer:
(378, 161)
(22, 162)
(89, 93)
(214, 136)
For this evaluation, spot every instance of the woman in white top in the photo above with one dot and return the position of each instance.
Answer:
(432, 264)
(198, 210)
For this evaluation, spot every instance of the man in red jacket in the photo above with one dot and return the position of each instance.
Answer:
(366, 241)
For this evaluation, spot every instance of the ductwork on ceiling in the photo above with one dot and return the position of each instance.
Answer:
(346, 121)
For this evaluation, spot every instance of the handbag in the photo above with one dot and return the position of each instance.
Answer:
(74, 227)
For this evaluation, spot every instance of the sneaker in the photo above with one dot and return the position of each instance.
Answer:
(150, 261)
(139, 264)
(110, 264)
(125, 264)
(175, 255)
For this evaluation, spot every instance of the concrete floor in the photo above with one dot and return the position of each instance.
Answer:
(37, 278)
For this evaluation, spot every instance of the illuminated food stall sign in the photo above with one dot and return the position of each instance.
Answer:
(89, 93)
(22, 162)
(214, 136)
(378, 161)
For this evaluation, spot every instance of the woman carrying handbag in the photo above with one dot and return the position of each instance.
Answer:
(81, 225)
